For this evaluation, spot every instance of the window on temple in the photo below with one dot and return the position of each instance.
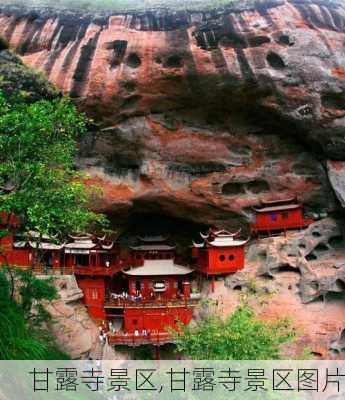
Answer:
(135, 322)
(274, 216)
(137, 285)
(285, 215)
(159, 286)
(222, 257)
(231, 257)
(138, 257)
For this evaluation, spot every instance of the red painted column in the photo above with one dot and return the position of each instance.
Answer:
(186, 289)
(213, 283)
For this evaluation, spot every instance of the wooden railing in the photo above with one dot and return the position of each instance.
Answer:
(130, 339)
(124, 303)
(44, 270)
(97, 271)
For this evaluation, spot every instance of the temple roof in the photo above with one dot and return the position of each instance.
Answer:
(282, 207)
(84, 236)
(46, 246)
(20, 244)
(153, 247)
(220, 238)
(271, 202)
(81, 244)
(31, 239)
(152, 239)
(227, 242)
(88, 244)
(158, 268)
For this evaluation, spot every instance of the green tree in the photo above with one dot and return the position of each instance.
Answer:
(242, 336)
(38, 182)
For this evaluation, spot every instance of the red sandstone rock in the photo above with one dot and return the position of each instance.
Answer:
(199, 115)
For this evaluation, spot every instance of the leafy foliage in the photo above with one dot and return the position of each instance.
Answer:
(37, 178)
(22, 334)
(242, 336)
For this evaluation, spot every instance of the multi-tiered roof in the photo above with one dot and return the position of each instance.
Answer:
(220, 238)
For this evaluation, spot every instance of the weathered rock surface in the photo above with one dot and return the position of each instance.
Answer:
(72, 327)
(301, 277)
(336, 173)
(317, 254)
(199, 114)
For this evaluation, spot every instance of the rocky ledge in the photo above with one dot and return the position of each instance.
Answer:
(71, 325)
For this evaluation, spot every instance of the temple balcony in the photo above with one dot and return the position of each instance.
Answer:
(120, 303)
(97, 271)
(130, 339)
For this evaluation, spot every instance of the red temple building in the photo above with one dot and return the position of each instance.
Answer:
(27, 250)
(94, 262)
(144, 296)
(220, 253)
(279, 215)
(152, 296)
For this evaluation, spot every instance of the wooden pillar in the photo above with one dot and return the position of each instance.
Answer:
(213, 283)
(158, 353)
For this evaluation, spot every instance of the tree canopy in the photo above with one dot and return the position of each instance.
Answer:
(242, 336)
(38, 181)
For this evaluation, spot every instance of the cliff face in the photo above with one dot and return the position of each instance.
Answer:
(199, 115)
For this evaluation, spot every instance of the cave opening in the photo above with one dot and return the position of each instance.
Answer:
(178, 231)
(340, 285)
(288, 268)
(311, 257)
(257, 41)
(336, 242)
(275, 60)
(286, 40)
(233, 188)
(173, 61)
(133, 60)
(316, 234)
(335, 296)
(321, 247)
(258, 186)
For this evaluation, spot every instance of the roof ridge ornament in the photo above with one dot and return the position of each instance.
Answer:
(226, 233)
(82, 236)
(198, 245)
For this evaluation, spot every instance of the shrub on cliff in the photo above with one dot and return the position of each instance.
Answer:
(242, 336)
(16, 79)
(22, 326)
